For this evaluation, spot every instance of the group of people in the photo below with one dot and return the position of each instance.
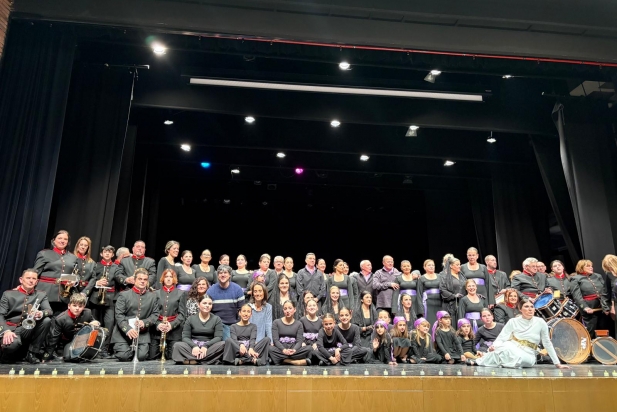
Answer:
(196, 313)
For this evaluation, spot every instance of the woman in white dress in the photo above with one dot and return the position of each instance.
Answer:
(517, 344)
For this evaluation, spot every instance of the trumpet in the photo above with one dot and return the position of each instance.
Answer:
(29, 322)
(103, 289)
(163, 345)
(135, 343)
(65, 290)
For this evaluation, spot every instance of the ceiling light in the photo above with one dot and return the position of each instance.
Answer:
(205, 165)
(168, 122)
(491, 139)
(280, 155)
(506, 76)
(235, 170)
(159, 49)
(364, 158)
(412, 131)
(186, 147)
(432, 76)
(339, 90)
(335, 123)
(264, 203)
(226, 201)
(448, 163)
(249, 119)
(299, 170)
(344, 66)
(407, 180)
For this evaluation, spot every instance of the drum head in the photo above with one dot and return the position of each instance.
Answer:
(543, 300)
(80, 341)
(570, 339)
(604, 350)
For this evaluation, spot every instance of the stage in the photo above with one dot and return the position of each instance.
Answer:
(164, 386)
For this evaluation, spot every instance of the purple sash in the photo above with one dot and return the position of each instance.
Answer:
(478, 281)
(246, 343)
(200, 343)
(473, 317)
(425, 297)
(184, 288)
(287, 339)
(343, 292)
(310, 336)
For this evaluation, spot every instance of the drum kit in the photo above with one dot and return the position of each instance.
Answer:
(569, 337)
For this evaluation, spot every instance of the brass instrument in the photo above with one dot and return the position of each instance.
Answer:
(29, 322)
(65, 290)
(103, 289)
(163, 345)
(135, 343)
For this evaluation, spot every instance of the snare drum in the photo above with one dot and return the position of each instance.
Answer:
(87, 343)
(604, 350)
(571, 340)
(547, 306)
(570, 310)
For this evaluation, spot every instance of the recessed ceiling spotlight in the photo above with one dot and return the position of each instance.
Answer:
(448, 163)
(235, 170)
(432, 76)
(186, 147)
(249, 119)
(280, 155)
(335, 123)
(364, 158)
(264, 203)
(506, 76)
(205, 165)
(344, 66)
(299, 170)
(412, 131)
(168, 122)
(159, 49)
(226, 201)
(491, 139)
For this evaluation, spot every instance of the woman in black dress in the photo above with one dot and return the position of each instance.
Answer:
(279, 296)
(186, 274)
(407, 311)
(241, 276)
(347, 293)
(452, 286)
(470, 306)
(422, 348)
(365, 317)
(428, 292)
(291, 275)
(50, 264)
(172, 250)
(407, 282)
(333, 302)
(509, 308)
(202, 337)
(488, 332)
(478, 272)
(204, 269)
(287, 337)
(241, 348)
(224, 260)
(195, 294)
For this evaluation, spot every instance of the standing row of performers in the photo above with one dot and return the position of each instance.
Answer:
(404, 293)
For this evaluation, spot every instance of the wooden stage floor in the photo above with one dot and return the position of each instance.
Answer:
(154, 386)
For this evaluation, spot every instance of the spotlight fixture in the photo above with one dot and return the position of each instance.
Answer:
(205, 165)
(264, 203)
(364, 158)
(226, 201)
(299, 170)
(407, 180)
(432, 76)
(335, 123)
(235, 170)
(506, 76)
(186, 147)
(412, 131)
(280, 155)
(491, 139)
(448, 163)
(159, 49)
(249, 119)
(168, 122)
(344, 66)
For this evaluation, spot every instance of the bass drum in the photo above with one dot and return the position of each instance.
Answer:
(547, 306)
(87, 343)
(571, 340)
(604, 350)
(570, 310)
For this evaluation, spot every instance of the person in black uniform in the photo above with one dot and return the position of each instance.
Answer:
(172, 249)
(172, 313)
(85, 264)
(287, 338)
(15, 306)
(101, 300)
(422, 348)
(50, 264)
(65, 325)
(530, 282)
(559, 280)
(332, 348)
(136, 310)
(499, 279)
(205, 269)
(351, 333)
(241, 348)
(589, 292)
(129, 264)
(509, 309)
(452, 285)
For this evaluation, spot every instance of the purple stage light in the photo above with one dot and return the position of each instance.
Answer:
(299, 170)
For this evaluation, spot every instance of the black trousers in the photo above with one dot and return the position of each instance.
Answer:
(124, 352)
(106, 316)
(154, 351)
(32, 340)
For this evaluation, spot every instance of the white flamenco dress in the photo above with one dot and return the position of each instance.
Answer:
(511, 354)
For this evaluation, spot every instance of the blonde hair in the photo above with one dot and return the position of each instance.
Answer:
(428, 335)
(609, 264)
(580, 266)
(171, 244)
(514, 273)
(88, 255)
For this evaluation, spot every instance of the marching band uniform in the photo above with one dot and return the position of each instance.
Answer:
(13, 310)
(560, 283)
(589, 291)
(50, 264)
(104, 313)
(196, 333)
(245, 335)
(528, 285)
(172, 307)
(85, 271)
(504, 312)
(133, 303)
(62, 330)
(499, 280)
(127, 268)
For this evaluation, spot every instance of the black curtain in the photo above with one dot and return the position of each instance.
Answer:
(34, 85)
(121, 216)
(481, 197)
(586, 150)
(93, 145)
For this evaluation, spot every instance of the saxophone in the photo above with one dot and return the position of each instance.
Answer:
(163, 345)
(103, 289)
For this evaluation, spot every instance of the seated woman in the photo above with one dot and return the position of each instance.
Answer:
(241, 348)
(332, 348)
(261, 315)
(489, 331)
(422, 348)
(303, 300)
(406, 310)
(381, 345)
(469, 306)
(311, 324)
(365, 316)
(196, 293)
(509, 308)
(333, 302)
(400, 339)
(280, 294)
(352, 333)
(287, 336)
(517, 344)
(445, 340)
(202, 337)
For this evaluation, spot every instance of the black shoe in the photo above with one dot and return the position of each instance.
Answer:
(32, 358)
(308, 362)
(237, 361)
(322, 363)
(106, 355)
